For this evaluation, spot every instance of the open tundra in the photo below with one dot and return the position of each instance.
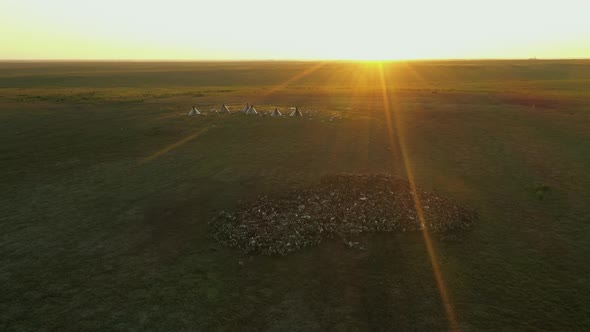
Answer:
(109, 187)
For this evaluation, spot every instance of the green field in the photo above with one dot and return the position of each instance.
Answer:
(107, 188)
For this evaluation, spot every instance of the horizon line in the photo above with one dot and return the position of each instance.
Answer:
(293, 60)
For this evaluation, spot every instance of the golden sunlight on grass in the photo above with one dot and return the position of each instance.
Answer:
(397, 138)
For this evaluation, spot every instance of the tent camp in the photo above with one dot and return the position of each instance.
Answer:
(251, 110)
(246, 108)
(194, 111)
(224, 109)
(296, 112)
(276, 112)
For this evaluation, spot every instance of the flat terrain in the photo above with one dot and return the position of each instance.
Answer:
(107, 187)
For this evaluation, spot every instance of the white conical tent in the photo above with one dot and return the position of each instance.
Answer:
(246, 108)
(296, 112)
(224, 109)
(276, 112)
(251, 110)
(194, 111)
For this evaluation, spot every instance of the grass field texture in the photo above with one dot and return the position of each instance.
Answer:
(107, 187)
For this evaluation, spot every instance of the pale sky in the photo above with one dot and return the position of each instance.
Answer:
(293, 29)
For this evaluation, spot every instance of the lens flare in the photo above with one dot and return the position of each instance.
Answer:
(396, 131)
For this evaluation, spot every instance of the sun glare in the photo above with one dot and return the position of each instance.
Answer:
(306, 29)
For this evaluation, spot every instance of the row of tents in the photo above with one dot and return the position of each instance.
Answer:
(249, 109)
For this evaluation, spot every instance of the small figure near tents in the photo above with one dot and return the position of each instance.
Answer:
(246, 108)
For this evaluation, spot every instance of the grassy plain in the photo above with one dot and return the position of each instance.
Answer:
(98, 230)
